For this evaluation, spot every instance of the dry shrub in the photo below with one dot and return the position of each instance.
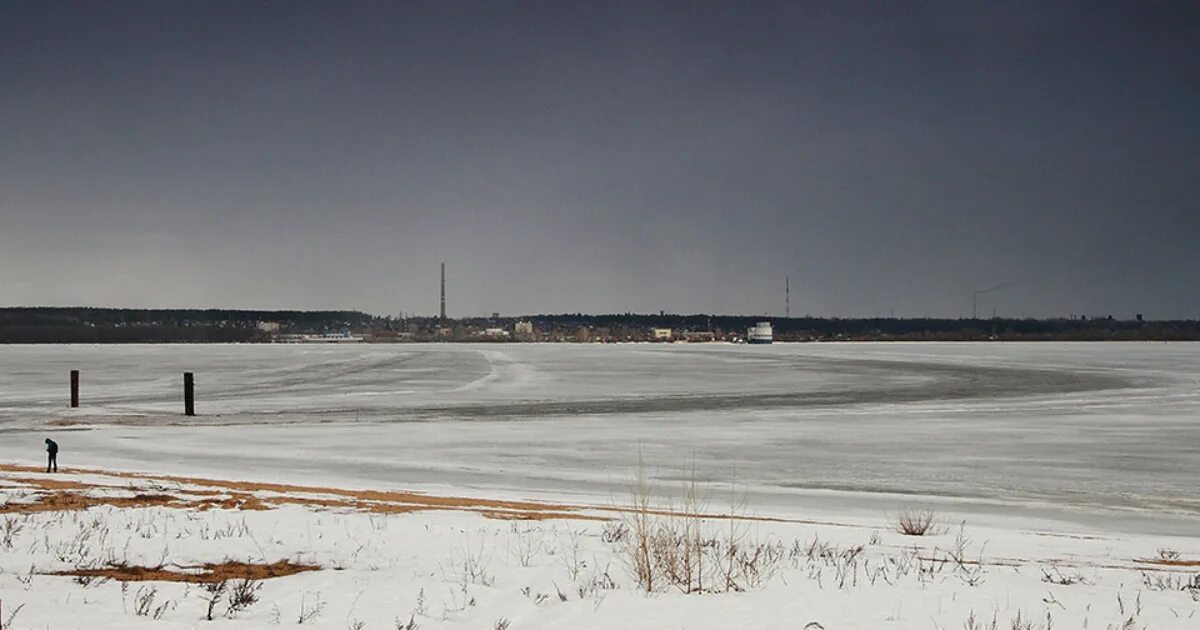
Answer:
(642, 527)
(683, 547)
(242, 595)
(912, 522)
(215, 590)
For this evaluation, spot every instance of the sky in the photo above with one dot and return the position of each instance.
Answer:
(601, 157)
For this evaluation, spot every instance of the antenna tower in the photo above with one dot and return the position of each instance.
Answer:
(443, 290)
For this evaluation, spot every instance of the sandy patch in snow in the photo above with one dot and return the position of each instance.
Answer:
(202, 574)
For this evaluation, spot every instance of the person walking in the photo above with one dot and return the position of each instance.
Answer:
(52, 452)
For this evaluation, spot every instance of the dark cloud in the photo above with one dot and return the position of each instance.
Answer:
(603, 156)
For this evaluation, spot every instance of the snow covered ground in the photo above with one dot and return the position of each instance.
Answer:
(380, 565)
(1065, 461)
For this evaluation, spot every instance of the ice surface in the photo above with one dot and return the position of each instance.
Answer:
(1107, 435)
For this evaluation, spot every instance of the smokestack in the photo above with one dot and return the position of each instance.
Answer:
(443, 290)
(787, 296)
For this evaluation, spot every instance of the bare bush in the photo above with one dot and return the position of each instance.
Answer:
(469, 564)
(215, 590)
(911, 522)
(524, 543)
(569, 554)
(636, 546)
(682, 547)
(242, 595)
(970, 571)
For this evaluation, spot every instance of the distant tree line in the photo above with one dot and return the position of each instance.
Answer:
(113, 325)
(108, 325)
(894, 329)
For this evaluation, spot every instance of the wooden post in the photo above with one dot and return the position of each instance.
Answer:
(189, 394)
(74, 388)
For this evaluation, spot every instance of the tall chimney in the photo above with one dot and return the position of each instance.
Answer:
(443, 290)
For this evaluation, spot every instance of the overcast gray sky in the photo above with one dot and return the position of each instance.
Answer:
(603, 156)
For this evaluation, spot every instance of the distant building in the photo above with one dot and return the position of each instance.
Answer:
(495, 332)
(269, 327)
(660, 334)
(701, 335)
(523, 328)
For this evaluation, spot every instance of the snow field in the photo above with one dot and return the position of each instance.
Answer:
(459, 569)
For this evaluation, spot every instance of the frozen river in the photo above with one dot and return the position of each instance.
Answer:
(1102, 434)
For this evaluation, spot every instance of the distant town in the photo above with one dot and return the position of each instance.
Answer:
(105, 325)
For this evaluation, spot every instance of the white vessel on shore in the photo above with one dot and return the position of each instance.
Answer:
(760, 333)
(329, 337)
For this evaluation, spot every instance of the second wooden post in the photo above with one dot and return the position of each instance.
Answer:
(189, 394)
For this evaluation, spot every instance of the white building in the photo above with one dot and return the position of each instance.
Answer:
(660, 333)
